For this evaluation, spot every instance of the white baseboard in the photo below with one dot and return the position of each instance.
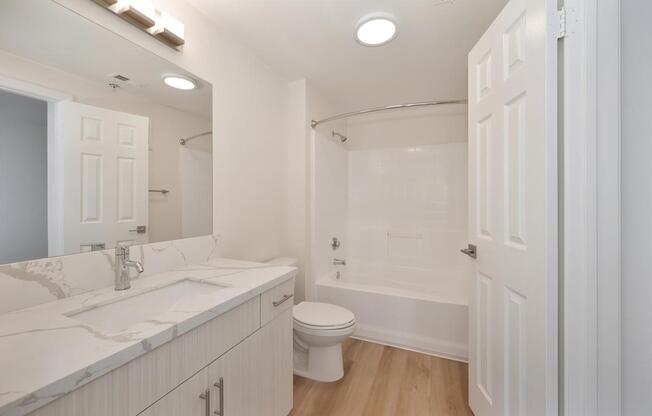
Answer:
(424, 345)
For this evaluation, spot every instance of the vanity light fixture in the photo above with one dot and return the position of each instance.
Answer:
(144, 15)
(169, 30)
(179, 82)
(376, 30)
(140, 12)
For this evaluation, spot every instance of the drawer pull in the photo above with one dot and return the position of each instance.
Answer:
(220, 387)
(207, 397)
(277, 303)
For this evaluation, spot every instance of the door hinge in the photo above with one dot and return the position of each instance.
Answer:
(561, 15)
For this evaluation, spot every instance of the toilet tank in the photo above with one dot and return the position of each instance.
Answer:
(283, 261)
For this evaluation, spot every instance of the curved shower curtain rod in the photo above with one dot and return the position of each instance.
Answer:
(187, 139)
(315, 123)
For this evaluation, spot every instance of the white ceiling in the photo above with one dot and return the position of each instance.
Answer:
(314, 39)
(50, 34)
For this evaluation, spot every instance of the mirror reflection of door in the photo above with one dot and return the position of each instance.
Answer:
(99, 178)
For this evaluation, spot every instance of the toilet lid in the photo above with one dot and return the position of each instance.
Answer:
(322, 314)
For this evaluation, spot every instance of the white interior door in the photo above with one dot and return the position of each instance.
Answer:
(100, 172)
(513, 213)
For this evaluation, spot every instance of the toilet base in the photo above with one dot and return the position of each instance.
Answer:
(319, 363)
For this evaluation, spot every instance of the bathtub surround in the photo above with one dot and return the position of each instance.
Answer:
(34, 282)
(395, 194)
(401, 318)
(30, 338)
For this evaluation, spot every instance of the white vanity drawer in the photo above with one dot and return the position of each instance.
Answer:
(276, 300)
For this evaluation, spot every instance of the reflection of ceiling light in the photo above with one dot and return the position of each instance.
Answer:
(375, 31)
(179, 82)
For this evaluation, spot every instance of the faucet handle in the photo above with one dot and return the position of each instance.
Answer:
(122, 251)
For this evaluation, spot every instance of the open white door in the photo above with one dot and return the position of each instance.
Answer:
(513, 213)
(98, 178)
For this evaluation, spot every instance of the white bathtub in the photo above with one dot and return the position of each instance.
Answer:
(402, 313)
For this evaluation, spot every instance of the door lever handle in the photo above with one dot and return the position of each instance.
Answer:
(471, 251)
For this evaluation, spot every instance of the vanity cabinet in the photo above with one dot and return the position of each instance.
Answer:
(253, 378)
(253, 360)
(184, 400)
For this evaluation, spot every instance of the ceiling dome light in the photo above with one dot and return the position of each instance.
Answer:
(179, 82)
(375, 31)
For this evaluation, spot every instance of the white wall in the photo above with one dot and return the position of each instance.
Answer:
(249, 123)
(414, 127)
(636, 60)
(23, 178)
(305, 103)
(297, 183)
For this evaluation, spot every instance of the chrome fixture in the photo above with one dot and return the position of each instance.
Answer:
(338, 275)
(122, 265)
(335, 243)
(339, 262)
(315, 123)
(471, 251)
(278, 303)
(342, 137)
(187, 139)
(140, 229)
(220, 387)
(206, 397)
(160, 191)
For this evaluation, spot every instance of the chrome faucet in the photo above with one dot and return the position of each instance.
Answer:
(339, 262)
(122, 265)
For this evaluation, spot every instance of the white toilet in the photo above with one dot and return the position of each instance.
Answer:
(319, 330)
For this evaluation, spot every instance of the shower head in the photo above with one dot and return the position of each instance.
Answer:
(342, 137)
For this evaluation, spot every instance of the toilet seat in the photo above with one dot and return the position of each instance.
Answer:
(303, 327)
(322, 316)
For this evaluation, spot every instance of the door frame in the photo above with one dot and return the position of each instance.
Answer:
(55, 192)
(590, 232)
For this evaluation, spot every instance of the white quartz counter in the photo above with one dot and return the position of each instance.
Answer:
(44, 354)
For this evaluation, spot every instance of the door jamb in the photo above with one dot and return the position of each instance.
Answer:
(55, 187)
(591, 207)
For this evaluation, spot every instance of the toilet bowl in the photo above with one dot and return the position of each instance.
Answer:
(319, 330)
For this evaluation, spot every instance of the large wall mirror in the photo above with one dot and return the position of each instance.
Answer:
(96, 150)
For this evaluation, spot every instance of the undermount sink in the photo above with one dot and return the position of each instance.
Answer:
(124, 313)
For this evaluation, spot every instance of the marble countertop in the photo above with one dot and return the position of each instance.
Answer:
(45, 354)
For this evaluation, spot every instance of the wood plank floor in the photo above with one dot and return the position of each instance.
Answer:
(386, 381)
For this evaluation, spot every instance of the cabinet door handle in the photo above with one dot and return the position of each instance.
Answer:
(278, 302)
(206, 395)
(220, 387)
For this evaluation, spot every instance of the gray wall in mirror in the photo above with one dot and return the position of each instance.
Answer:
(107, 144)
(23, 178)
